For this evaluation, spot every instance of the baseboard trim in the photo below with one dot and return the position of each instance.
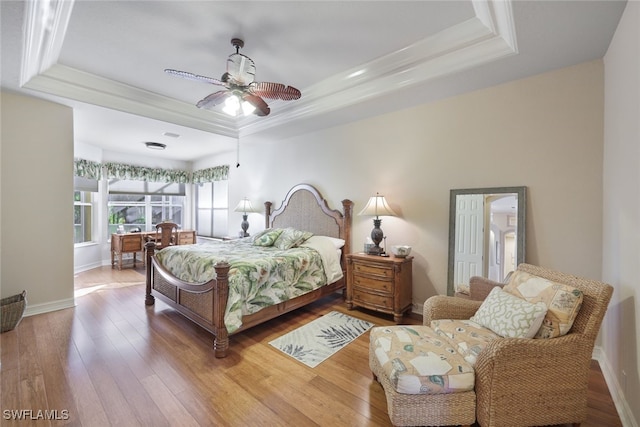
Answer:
(416, 308)
(617, 393)
(86, 267)
(47, 307)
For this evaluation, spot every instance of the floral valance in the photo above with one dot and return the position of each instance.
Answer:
(218, 173)
(93, 170)
(141, 173)
(87, 169)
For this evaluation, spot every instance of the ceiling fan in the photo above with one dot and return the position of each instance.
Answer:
(242, 92)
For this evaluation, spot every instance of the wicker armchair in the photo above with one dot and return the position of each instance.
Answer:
(525, 382)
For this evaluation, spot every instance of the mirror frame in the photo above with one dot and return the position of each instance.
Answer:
(520, 235)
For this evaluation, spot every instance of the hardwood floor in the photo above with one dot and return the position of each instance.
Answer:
(113, 361)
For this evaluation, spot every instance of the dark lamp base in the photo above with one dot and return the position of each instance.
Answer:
(245, 226)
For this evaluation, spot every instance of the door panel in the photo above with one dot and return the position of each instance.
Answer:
(469, 238)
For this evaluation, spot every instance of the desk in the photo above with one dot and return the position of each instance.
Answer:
(134, 243)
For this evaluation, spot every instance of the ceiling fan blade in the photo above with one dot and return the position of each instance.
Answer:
(195, 77)
(241, 68)
(213, 99)
(275, 91)
(262, 109)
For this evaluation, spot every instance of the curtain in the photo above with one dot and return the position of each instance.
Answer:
(93, 170)
(141, 173)
(87, 169)
(218, 173)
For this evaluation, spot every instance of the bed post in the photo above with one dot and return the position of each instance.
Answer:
(149, 250)
(267, 214)
(347, 207)
(220, 294)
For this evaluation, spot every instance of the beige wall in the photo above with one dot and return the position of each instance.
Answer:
(544, 132)
(37, 190)
(621, 222)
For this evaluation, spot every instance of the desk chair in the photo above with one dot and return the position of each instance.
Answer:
(166, 234)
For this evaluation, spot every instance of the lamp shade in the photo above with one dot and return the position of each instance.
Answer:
(244, 206)
(377, 206)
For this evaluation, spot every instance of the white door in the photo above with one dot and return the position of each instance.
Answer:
(469, 238)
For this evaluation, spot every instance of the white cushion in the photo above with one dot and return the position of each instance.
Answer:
(510, 316)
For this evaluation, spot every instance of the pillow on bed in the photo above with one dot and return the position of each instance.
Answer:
(290, 238)
(263, 232)
(338, 243)
(268, 237)
(260, 234)
(328, 253)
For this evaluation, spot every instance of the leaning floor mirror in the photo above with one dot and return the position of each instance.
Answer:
(486, 234)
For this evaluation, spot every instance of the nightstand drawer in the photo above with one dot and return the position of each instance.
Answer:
(373, 270)
(373, 284)
(373, 299)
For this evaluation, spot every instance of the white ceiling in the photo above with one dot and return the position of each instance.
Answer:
(350, 59)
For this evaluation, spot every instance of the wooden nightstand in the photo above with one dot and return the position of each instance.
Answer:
(380, 283)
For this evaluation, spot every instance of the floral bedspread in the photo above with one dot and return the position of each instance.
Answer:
(259, 276)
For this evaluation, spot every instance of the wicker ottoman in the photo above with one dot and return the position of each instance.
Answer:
(441, 408)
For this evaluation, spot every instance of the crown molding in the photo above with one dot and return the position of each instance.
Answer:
(457, 48)
(489, 36)
(72, 83)
(45, 27)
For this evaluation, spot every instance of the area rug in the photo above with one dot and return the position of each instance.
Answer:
(317, 340)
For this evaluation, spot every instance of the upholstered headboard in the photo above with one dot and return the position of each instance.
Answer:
(304, 208)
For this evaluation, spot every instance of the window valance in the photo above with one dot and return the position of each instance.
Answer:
(141, 173)
(87, 169)
(218, 173)
(93, 170)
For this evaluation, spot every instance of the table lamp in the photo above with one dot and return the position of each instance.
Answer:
(377, 206)
(244, 206)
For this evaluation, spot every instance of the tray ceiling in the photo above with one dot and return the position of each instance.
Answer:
(350, 59)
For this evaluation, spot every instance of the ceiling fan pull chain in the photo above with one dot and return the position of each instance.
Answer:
(238, 153)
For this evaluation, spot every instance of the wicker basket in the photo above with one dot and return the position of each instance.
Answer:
(12, 311)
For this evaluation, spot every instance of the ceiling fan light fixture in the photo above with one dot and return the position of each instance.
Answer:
(247, 108)
(231, 106)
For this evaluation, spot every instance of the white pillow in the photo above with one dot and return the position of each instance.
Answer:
(330, 256)
(510, 316)
(338, 243)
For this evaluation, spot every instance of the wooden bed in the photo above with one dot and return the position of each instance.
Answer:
(303, 208)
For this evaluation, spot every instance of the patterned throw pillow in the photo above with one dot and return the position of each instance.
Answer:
(510, 316)
(268, 237)
(563, 301)
(290, 238)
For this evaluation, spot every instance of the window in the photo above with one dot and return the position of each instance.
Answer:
(141, 204)
(143, 211)
(85, 194)
(212, 209)
(82, 216)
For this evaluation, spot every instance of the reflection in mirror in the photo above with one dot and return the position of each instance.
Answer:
(486, 234)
